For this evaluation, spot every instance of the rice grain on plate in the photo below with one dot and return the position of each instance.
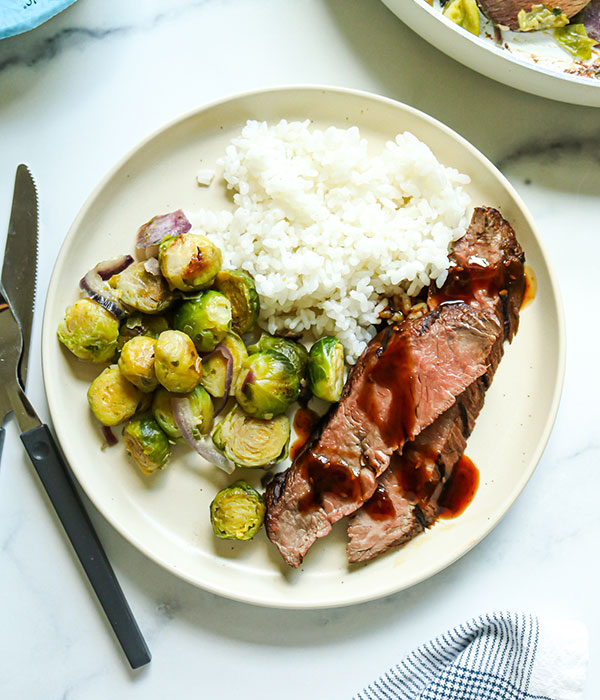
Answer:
(328, 230)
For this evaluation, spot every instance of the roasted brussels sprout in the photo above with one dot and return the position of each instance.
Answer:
(112, 398)
(176, 362)
(139, 288)
(326, 368)
(89, 331)
(296, 353)
(189, 261)
(237, 512)
(267, 385)
(162, 410)
(137, 363)
(214, 367)
(139, 324)
(147, 444)
(541, 17)
(205, 319)
(252, 442)
(239, 288)
(465, 13)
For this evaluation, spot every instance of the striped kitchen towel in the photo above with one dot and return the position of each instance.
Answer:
(501, 656)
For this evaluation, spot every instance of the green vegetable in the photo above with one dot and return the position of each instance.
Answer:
(140, 324)
(176, 362)
(89, 331)
(464, 13)
(326, 368)
(140, 290)
(137, 363)
(112, 398)
(214, 368)
(267, 385)
(189, 261)
(239, 288)
(147, 444)
(237, 512)
(541, 17)
(205, 319)
(252, 442)
(296, 353)
(201, 407)
(575, 40)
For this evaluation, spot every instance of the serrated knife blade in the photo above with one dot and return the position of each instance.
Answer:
(20, 259)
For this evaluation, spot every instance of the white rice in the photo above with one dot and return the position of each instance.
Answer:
(328, 230)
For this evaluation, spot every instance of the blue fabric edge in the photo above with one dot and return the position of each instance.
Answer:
(34, 21)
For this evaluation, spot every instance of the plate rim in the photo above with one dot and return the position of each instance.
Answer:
(550, 78)
(49, 336)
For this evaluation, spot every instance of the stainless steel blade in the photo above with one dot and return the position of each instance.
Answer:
(20, 259)
(11, 393)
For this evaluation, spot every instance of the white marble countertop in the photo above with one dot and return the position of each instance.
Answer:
(75, 94)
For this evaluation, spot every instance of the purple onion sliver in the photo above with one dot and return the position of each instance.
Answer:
(590, 17)
(151, 233)
(184, 420)
(97, 290)
(109, 436)
(248, 379)
(107, 268)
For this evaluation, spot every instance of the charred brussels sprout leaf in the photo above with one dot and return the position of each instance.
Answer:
(214, 367)
(147, 444)
(465, 13)
(326, 368)
(189, 261)
(252, 442)
(296, 353)
(541, 17)
(176, 362)
(89, 331)
(112, 398)
(137, 363)
(237, 512)
(267, 385)
(206, 319)
(140, 289)
(239, 288)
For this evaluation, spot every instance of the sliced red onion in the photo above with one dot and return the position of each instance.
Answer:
(184, 420)
(228, 357)
(590, 16)
(248, 379)
(94, 284)
(109, 436)
(151, 266)
(151, 233)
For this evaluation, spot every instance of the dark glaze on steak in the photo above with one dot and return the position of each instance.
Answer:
(487, 272)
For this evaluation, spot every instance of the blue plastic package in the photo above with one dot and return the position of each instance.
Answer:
(18, 16)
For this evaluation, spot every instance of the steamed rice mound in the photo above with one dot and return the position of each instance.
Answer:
(328, 229)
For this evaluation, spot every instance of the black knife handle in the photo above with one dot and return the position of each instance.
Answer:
(54, 474)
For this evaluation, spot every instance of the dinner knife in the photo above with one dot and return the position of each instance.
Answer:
(20, 259)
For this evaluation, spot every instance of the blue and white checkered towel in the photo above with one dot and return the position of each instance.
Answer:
(501, 656)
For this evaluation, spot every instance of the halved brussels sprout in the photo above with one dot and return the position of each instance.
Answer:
(162, 410)
(89, 331)
(296, 353)
(141, 289)
(252, 442)
(176, 362)
(326, 368)
(541, 17)
(140, 324)
(239, 288)
(147, 444)
(214, 367)
(267, 384)
(465, 13)
(112, 398)
(189, 261)
(237, 512)
(206, 319)
(201, 407)
(137, 363)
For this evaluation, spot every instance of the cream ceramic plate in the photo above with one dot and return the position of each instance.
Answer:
(166, 516)
(532, 62)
